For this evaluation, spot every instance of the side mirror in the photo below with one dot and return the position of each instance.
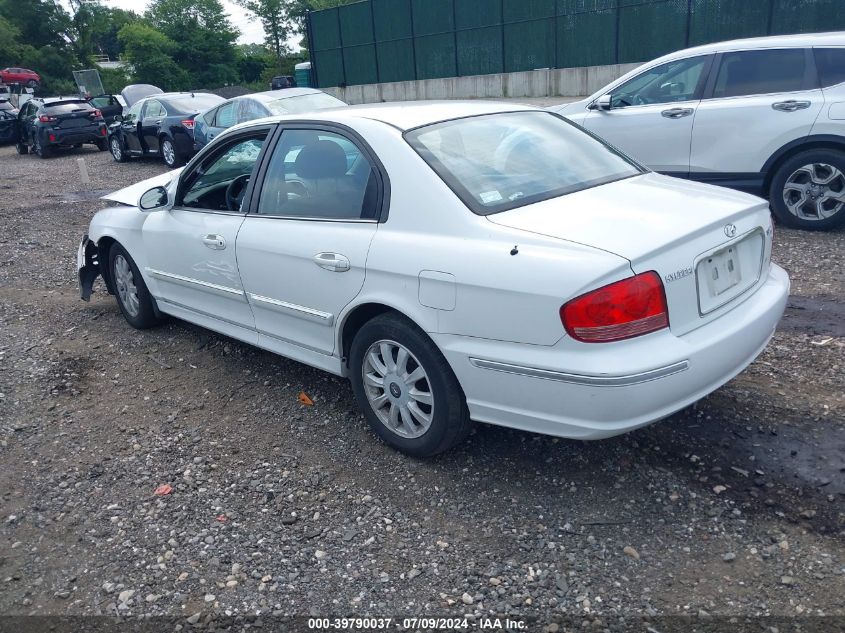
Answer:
(604, 102)
(155, 198)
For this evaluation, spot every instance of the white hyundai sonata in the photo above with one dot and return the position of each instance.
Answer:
(457, 262)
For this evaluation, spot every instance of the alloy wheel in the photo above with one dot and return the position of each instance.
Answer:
(116, 150)
(168, 152)
(815, 192)
(124, 282)
(398, 389)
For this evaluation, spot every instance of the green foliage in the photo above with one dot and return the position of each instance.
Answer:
(150, 54)
(204, 38)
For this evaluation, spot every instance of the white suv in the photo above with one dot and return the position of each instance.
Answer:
(764, 115)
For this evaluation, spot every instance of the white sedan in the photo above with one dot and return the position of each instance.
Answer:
(457, 262)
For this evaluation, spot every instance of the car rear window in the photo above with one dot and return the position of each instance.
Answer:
(62, 107)
(830, 63)
(188, 103)
(502, 161)
(304, 103)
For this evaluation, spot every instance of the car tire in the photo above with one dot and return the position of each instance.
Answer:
(133, 297)
(171, 157)
(32, 83)
(103, 144)
(800, 188)
(118, 152)
(421, 417)
(22, 148)
(41, 150)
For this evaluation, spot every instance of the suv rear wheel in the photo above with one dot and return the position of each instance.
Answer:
(41, 150)
(808, 190)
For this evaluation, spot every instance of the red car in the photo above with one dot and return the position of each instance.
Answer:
(20, 76)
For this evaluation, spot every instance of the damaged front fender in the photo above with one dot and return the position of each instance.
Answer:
(88, 265)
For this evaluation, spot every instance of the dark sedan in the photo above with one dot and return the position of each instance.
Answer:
(48, 124)
(160, 125)
(8, 122)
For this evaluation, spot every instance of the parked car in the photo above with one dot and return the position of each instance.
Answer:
(51, 123)
(23, 76)
(279, 82)
(161, 125)
(559, 288)
(8, 122)
(110, 105)
(764, 115)
(258, 105)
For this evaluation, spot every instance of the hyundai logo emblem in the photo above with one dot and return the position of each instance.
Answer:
(730, 230)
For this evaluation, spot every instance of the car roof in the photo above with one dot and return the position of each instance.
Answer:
(802, 40)
(288, 93)
(405, 115)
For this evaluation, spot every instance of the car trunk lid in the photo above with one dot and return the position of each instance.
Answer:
(709, 245)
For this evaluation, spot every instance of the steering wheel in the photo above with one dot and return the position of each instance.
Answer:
(235, 192)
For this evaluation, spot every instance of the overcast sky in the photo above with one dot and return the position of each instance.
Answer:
(250, 28)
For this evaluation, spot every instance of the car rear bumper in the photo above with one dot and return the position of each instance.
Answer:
(72, 136)
(593, 391)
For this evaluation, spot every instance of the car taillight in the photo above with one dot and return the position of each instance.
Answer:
(625, 309)
(188, 123)
(44, 118)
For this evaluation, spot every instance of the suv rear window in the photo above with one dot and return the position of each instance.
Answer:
(760, 72)
(830, 63)
(67, 106)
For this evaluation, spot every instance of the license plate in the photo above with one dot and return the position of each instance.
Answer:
(728, 272)
(722, 271)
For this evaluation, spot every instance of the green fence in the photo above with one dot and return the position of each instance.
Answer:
(378, 41)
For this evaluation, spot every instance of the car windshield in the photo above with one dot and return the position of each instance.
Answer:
(303, 103)
(192, 103)
(502, 161)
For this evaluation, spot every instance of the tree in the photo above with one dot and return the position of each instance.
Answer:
(274, 17)
(203, 36)
(149, 53)
(10, 45)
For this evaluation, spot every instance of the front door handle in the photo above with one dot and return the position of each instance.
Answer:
(676, 113)
(790, 106)
(332, 261)
(214, 242)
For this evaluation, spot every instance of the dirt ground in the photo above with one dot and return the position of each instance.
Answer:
(732, 507)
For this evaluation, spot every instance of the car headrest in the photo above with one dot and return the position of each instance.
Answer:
(323, 159)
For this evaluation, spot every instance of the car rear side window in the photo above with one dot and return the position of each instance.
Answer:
(317, 174)
(830, 63)
(760, 72)
(225, 116)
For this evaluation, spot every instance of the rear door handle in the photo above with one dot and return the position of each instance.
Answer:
(676, 113)
(214, 242)
(332, 261)
(790, 106)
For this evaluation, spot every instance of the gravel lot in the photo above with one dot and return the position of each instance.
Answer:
(732, 507)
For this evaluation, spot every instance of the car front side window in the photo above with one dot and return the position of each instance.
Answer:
(134, 112)
(219, 182)
(321, 175)
(673, 81)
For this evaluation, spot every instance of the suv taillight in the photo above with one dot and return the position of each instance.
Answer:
(96, 114)
(625, 309)
(46, 118)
